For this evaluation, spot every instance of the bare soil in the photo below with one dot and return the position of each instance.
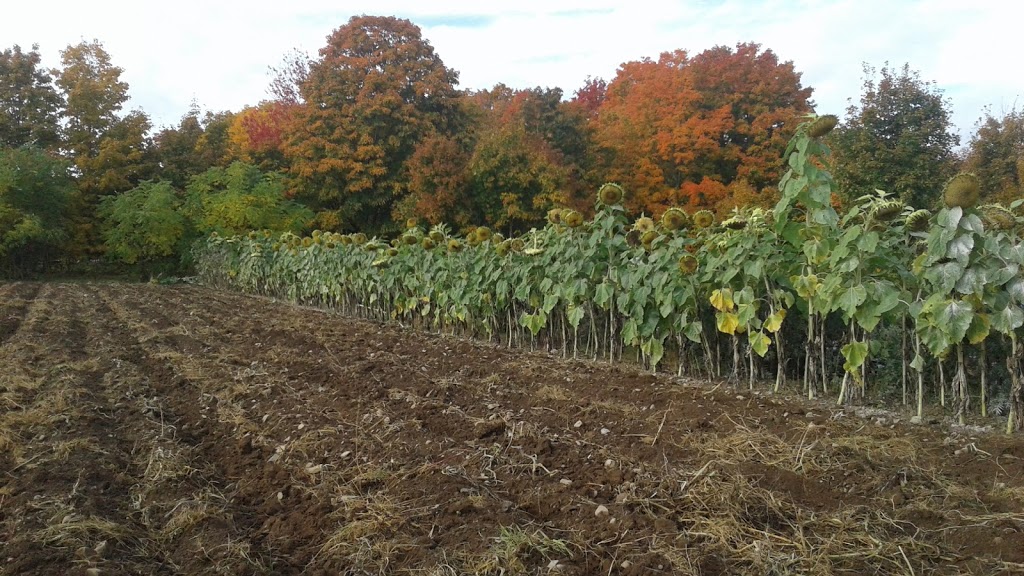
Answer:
(180, 430)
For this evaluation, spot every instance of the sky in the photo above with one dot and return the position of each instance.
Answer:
(217, 53)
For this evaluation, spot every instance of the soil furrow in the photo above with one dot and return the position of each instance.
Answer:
(249, 436)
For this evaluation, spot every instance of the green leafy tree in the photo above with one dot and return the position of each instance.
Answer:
(30, 106)
(241, 198)
(377, 89)
(897, 139)
(198, 143)
(35, 193)
(997, 156)
(145, 224)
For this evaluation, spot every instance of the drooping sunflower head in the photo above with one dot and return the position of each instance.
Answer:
(411, 223)
(633, 237)
(410, 239)
(392, 252)
(688, 264)
(997, 217)
(517, 245)
(887, 210)
(454, 245)
(675, 219)
(497, 238)
(555, 216)
(572, 218)
(307, 242)
(346, 240)
(962, 190)
(483, 234)
(735, 223)
(918, 220)
(704, 219)
(437, 236)
(643, 224)
(610, 194)
(359, 238)
(648, 238)
(822, 125)
(428, 243)
(503, 248)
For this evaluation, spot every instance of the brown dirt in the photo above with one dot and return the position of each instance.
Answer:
(179, 430)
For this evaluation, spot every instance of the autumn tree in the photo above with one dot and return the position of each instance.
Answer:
(591, 95)
(35, 195)
(681, 129)
(996, 155)
(522, 152)
(256, 134)
(898, 138)
(30, 106)
(376, 91)
(111, 152)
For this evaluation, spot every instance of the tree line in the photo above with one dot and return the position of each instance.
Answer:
(373, 131)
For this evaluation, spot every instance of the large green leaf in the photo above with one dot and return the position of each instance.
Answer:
(960, 248)
(855, 354)
(979, 329)
(759, 342)
(955, 319)
(851, 299)
(1008, 319)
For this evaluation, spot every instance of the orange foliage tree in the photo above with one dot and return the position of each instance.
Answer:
(522, 152)
(257, 133)
(376, 91)
(680, 130)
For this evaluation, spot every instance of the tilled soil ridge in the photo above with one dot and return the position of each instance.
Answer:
(180, 430)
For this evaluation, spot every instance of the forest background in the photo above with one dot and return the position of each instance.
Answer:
(373, 131)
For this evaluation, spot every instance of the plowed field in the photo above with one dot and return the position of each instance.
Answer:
(180, 430)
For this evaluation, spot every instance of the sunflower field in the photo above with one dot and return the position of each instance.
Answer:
(885, 301)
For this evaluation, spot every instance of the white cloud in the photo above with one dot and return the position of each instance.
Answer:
(218, 52)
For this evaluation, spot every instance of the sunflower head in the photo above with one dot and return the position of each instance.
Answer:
(410, 239)
(735, 223)
(572, 218)
(687, 264)
(392, 252)
(359, 238)
(555, 216)
(517, 245)
(675, 219)
(307, 242)
(411, 223)
(997, 217)
(610, 194)
(887, 210)
(428, 243)
(454, 245)
(483, 234)
(503, 248)
(437, 236)
(643, 224)
(704, 219)
(633, 237)
(962, 190)
(918, 220)
(648, 238)
(822, 125)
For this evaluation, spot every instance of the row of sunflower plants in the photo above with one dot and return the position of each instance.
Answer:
(799, 292)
